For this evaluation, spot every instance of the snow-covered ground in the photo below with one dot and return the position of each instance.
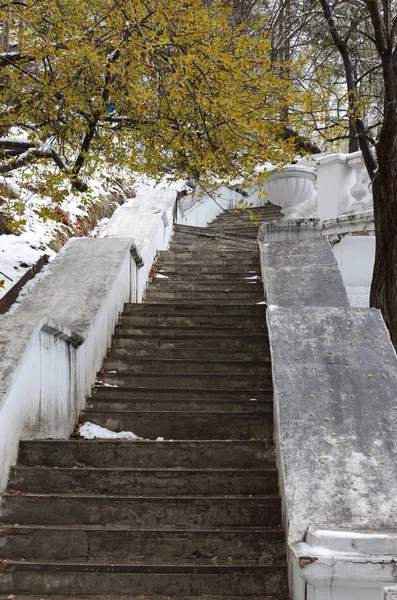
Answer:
(18, 253)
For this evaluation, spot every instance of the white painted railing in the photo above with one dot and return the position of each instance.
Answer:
(341, 201)
(52, 346)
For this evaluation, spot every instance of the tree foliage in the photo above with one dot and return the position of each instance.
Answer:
(170, 86)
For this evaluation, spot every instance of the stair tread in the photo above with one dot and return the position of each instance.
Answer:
(179, 470)
(129, 597)
(214, 498)
(277, 532)
(140, 567)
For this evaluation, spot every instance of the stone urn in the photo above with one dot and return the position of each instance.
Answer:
(290, 187)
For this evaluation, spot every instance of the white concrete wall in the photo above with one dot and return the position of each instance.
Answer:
(334, 181)
(356, 256)
(333, 426)
(53, 345)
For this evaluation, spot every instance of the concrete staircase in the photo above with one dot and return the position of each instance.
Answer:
(195, 516)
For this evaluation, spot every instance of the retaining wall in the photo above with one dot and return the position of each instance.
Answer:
(335, 392)
(52, 346)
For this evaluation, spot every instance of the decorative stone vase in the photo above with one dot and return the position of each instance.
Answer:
(290, 187)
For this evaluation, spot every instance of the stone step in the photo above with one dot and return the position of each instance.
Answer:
(201, 285)
(212, 331)
(193, 309)
(245, 229)
(164, 340)
(211, 241)
(234, 274)
(195, 275)
(204, 234)
(210, 237)
(195, 380)
(186, 245)
(194, 320)
(244, 354)
(130, 365)
(212, 261)
(181, 404)
(251, 296)
(226, 299)
(192, 270)
(187, 425)
(190, 228)
(123, 579)
(184, 394)
(124, 597)
(228, 254)
(237, 222)
(144, 482)
(239, 454)
(141, 511)
(249, 545)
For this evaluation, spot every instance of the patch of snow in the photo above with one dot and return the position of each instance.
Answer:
(321, 551)
(160, 276)
(27, 288)
(253, 277)
(102, 384)
(90, 431)
(98, 229)
(263, 302)
(350, 535)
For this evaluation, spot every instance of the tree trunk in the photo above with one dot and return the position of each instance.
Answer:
(384, 282)
(353, 139)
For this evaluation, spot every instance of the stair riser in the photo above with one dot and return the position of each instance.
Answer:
(196, 268)
(250, 294)
(126, 394)
(211, 239)
(168, 285)
(229, 254)
(188, 276)
(144, 584)
(160, 299)
(194, 354)
(209, 331)
(194, 309)
(192, 405)
(237, 455)
(257, 322)
(204, 235)
(172, 546)
(182, 245)
(228, 225)
(199, 342)
(194, 426)
(140, 512)
(134, 365)
(193, 381)
(118, 482)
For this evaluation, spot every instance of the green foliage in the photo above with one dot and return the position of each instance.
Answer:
(154, 86)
